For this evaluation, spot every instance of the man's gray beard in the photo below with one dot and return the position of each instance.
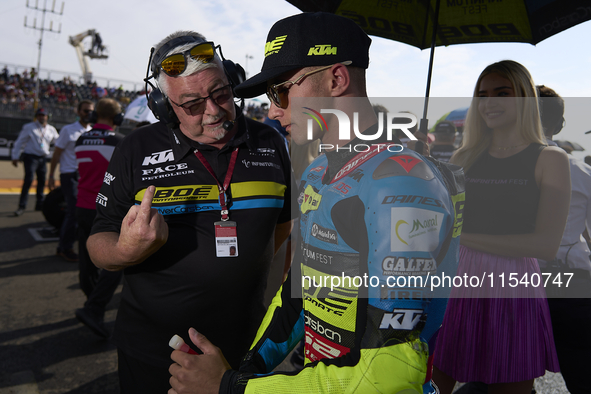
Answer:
(220, 132)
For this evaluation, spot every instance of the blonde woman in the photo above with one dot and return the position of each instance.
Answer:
(517, 198)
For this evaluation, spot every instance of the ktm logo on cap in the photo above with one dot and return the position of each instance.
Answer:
(322, 50)
(274, 46)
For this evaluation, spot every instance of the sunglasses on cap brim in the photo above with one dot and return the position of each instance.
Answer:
(174, 65)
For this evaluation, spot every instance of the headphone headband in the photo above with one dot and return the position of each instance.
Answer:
(164, 49)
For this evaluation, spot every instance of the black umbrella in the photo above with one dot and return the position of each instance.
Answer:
(430, 23)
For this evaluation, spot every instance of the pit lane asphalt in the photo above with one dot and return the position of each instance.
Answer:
(43, 348)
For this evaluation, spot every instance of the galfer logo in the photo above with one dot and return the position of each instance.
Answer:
(158, 157)
(345, 128)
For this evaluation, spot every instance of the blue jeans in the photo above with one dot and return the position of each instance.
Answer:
(33, 165)
(69, 185)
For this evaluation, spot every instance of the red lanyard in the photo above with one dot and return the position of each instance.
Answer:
(222, 189)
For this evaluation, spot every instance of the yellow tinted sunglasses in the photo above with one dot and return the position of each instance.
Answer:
(174, 65)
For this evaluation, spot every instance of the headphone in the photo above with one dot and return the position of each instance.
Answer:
(157, 100)
(117, 119)
(559, 126)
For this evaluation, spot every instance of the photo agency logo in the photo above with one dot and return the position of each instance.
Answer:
(392, 123)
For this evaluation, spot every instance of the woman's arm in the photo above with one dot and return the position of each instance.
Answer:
(553, 177)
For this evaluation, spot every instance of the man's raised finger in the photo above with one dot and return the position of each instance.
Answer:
(146, 204)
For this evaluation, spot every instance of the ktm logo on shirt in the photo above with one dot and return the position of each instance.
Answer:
(158, 157)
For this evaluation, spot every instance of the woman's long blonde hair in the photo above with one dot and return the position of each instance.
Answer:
(478, 136)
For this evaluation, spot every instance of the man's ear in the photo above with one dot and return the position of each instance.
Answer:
(340, 80)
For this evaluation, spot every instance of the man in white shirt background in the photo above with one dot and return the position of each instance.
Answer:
(571, 317)
(65, 155)
(33, 142)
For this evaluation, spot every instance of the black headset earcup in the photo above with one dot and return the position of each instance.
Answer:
(161, 108)
(118, 119)
(93, 117)
(559, 127)
(234, 72)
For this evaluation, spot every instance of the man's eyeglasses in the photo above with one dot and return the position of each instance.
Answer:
(278, 92)
(86, 111)
(197, 106)
(174, 65)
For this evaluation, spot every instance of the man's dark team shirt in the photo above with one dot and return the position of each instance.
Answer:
(184, 284)
(94, 149)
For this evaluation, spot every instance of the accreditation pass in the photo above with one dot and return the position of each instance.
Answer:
(226, 239)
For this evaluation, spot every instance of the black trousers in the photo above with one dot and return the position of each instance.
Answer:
(571, 319)
(138, 377)
(34, 165)
(98, 285)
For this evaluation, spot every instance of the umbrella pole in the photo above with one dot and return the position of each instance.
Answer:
(424, 126)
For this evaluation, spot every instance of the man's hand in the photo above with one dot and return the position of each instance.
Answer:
(143, 230)
(15, 163)
(51, 183)
(197, 373)
(422, 138)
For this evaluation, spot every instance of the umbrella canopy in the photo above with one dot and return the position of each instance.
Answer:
(431, 23)
(457, 21)
(138, 111)
(457, 116)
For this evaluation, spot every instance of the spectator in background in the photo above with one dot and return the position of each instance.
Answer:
(573, 256)
(442, 148)
(66, 157)
(93, 151)
(502, 335)
(34, 141)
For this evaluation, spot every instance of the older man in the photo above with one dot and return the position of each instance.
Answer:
(177, 196)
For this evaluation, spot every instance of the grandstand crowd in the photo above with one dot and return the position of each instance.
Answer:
(61, 97)
(19, 89)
